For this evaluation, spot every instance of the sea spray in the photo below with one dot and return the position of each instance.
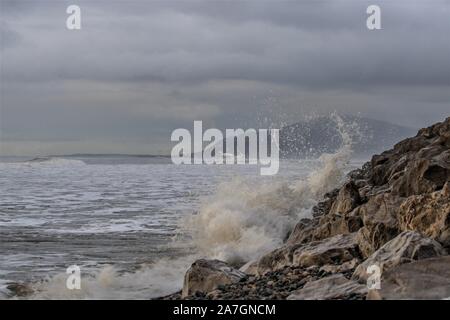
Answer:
(240, 221)
(244, 219)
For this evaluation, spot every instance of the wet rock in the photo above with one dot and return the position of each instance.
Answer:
(406, 247)
(332, 287)
(424, 279)
(207, 275)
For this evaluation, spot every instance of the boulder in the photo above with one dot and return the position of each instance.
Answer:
(424, 279)
(332, 287)
(334, 250)
(406, 247)
(206, 275)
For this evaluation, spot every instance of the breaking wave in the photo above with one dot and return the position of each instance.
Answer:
(108, 282)
(244, 219)
(241, 221)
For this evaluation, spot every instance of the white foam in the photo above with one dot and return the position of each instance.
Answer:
(162, 278)
(245, 219)
(242, 220)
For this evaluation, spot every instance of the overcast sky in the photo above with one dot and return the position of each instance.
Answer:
(139, 69)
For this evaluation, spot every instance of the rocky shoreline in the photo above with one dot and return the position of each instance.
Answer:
(392, 216)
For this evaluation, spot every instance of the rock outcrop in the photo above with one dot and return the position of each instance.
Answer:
(393, 212)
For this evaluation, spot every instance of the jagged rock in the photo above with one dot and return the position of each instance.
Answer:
(334, 250)
(406, 247)
(276, 259)
(372, 237)
(206, 275)
(346, 200)
(335, 218)
(334, 224)
(424, 279)
(420, 176)
(379, 216)
(302, 232)
(415, 165)
(361, 174)
(428, 214)
(332, 287)
(306, 229)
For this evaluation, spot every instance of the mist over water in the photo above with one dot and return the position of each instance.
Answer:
(134, 228)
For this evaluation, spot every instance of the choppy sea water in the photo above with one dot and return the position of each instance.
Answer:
(134, 224)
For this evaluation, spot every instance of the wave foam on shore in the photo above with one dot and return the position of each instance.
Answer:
(241, 221)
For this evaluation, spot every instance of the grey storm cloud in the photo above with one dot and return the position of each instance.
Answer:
(138, 69)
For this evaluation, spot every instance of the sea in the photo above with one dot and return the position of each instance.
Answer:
(134, 224)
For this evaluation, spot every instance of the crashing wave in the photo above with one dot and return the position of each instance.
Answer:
(244, 219)
(241, 221)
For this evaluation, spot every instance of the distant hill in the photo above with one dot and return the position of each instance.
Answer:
(319, 135)
(310, 139)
